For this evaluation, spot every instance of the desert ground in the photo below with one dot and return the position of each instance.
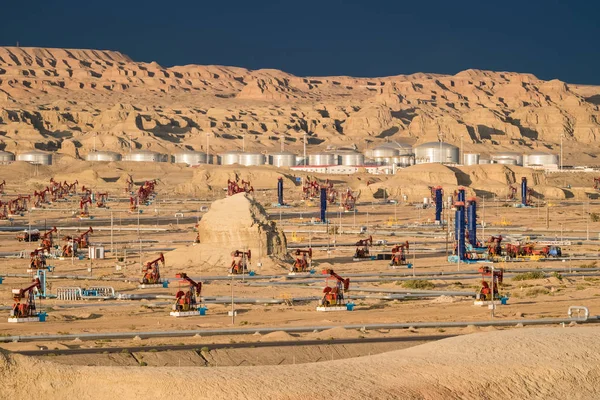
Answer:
(273, 307)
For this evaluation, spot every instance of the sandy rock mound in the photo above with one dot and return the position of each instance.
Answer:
(234, 223)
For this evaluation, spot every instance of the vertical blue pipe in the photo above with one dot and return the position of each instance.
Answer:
(461, 194)
(280, 191)
(524, 191)
(460, 217)
(323, 205)
(472, 222)
(438, 204)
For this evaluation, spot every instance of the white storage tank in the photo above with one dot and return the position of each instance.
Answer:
(282, 159)
(540, 158)
(508, 155)
(35, 157)
(320, 159)
(435, 152)
(144, 156)
(471, 158)
(6, 157)
(190, 157)
(251, 159)
(485, 161)
(103, 156)
(506, 161)
(230, 157)
(301, 160)
(350, 158)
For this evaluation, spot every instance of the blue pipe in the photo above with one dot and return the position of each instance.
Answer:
(472, 222)
(460, 218)
(280, 191)
(438, 204)
(524, 191)
(461, 194)
(323, 205)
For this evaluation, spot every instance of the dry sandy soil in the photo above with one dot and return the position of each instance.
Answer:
(70, 100)
(523, 364)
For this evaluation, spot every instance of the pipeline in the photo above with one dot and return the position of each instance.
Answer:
(299, 329)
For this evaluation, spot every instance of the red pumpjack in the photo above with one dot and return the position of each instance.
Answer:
(485, 292)
(348, 200)
(399, 253)
(151, 271)
(37, 259)
(302, 262)
(47, 241)
(80, 242)
(84, 211)
(234, 187)
(27, 308)
(240, 261)
(334, 296)
(101, 199)
(362, 248)
(187, 301)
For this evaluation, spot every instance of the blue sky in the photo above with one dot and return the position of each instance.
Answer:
(551, 39)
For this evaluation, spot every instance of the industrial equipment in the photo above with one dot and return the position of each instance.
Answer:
(240, 262)
(3, 211)
(437, 194)
(186, 303)
(235, 187)
(512, 192)
(489, 292)
(349, 200)
(280, 201)
(129, 185)
(24, 308)
(40, 198)
(310, 189)
(399, 253)
(84, 212)
(82, 242)
(101, 199)
(133, 205)
(333, 297)
(28, 235)
(526, 193)
(47, 241)
(303, 261)
(362, 249)
(494, 246)
(151, 272)
(37, 260)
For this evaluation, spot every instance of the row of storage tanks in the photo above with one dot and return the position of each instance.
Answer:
(385, 154)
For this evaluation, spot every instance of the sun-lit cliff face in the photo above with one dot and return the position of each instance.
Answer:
(67, 100)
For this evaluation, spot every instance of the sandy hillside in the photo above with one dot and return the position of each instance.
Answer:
(519, 364)
(70, 100)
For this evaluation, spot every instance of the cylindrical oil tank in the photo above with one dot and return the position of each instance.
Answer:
(301, 160)
(144, 156)
(103, 156)
(250, 159)
(230, 157)
(5, 157)
(190, 157)
(518, 157)
(351, 158)
(435, 152)
(322, 159)
(540, 158)
(471, 158)
(506, 161)
(282, 159)
(383, 151)
(485, 161)
(403, 160)
(35, 157)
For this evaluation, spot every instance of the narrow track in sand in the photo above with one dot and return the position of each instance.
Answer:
(211, 346)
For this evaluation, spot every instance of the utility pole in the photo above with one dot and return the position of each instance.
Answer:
(207, 148)
(305, 160)
(112, 225)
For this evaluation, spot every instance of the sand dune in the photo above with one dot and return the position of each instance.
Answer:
(520, 364)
